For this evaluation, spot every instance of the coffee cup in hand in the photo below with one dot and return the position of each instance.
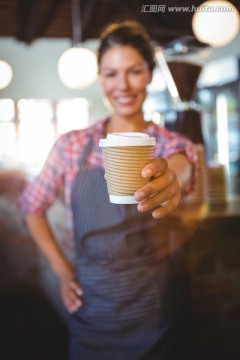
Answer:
(125, 154)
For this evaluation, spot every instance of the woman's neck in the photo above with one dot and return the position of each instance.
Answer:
(118, 123)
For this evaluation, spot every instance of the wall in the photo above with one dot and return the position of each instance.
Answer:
(35, 72)
(35, 69)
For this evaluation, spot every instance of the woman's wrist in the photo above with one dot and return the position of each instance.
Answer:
(184, 171)
(60, 266)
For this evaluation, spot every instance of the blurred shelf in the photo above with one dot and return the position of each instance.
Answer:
(199, 211)
(229, 209)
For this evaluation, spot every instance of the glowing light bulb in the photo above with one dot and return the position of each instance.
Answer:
(216, 22)
(6, 74)
(77, 67)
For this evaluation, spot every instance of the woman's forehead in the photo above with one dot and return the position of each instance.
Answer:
(121, 54)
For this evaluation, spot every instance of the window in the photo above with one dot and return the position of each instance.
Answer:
(221, 124)
(29, 127)
(72, 114)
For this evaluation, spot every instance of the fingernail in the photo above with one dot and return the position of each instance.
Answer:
(147, 173)
(143, 207)
(140, 195)
(79, 292)
(156, 215)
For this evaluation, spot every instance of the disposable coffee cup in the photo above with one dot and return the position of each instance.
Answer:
(125, 154)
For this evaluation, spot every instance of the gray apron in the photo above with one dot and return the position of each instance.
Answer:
(134, 302)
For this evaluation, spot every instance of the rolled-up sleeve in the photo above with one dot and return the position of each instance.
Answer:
(40, 193)
(171, 143)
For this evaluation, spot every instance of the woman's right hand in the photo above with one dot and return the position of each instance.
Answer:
(41, 231)
(71, 292)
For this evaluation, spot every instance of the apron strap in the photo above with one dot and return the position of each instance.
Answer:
(86, 152)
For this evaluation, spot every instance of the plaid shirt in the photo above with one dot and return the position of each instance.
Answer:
(62, 164)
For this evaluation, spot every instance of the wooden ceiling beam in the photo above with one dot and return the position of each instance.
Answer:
(48, 16)
(27, 19)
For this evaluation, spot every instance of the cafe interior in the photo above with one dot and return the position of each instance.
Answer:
(48, 86)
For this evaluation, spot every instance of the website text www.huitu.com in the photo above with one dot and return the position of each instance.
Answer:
(165, 8)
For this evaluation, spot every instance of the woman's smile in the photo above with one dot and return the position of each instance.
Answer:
(125, 100)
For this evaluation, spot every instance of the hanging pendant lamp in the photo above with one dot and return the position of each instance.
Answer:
(77, 66)
(216, 22)
(6, 74)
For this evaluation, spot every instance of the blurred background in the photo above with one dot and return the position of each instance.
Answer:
(195, 90)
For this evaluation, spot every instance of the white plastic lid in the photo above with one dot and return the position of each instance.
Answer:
(127, 139)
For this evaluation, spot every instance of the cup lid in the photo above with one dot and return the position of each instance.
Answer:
(127, 139)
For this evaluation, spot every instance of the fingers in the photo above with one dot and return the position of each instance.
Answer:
(76, 288)
(158, 184)
(162, 192)
(159, 197)
(71, 296)
(155, 168)
(168, 207)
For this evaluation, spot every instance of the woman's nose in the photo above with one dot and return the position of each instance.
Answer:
(123, 82)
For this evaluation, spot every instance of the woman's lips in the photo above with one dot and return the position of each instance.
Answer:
(125, 100)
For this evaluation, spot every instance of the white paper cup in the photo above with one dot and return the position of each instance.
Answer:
(125, 155)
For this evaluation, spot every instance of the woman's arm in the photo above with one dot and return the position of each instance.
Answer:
(169, 178)
(44, 238)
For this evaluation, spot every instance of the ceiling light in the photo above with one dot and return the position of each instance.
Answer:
(216, 22)
(77, 66)
(6, 74)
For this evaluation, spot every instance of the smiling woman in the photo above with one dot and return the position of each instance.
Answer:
(127, 290)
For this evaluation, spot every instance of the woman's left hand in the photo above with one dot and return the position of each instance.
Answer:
(162, 192)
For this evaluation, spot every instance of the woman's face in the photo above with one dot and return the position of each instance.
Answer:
(124, 75)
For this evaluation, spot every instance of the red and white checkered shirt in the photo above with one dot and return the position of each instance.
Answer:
(62, 164)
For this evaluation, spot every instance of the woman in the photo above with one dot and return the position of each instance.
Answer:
(122, 292)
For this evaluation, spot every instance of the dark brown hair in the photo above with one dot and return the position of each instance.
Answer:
(127, 33)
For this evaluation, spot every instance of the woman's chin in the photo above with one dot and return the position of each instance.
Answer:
(128, 112)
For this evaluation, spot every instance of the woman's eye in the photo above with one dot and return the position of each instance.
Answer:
(109, 74)
(136, 71)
